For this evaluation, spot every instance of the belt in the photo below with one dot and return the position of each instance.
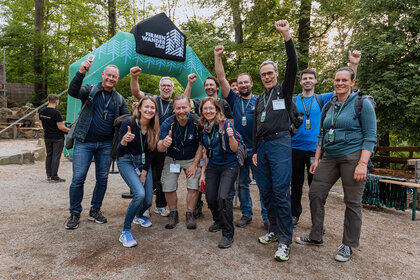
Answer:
(273, 136)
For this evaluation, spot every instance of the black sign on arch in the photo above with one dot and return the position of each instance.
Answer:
(158, 36)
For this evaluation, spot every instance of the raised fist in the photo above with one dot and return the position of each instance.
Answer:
(282, 26)
(192, 78)
(135, 71)
(354, 57)
(219, 50)
(85, 66)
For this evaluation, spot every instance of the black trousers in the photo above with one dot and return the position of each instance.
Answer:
(54, 148)
(299, 160)
(157, 167)
(219, 184)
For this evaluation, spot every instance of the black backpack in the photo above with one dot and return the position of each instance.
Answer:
(117, 124)
(358, 105)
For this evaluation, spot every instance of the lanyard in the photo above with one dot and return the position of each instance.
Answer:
(269, 97)
(161, 107)
(307, 112)
(141, 136)
(242, 102)
(185, 134)
(210, 140)
(106, 103)
(334, 120)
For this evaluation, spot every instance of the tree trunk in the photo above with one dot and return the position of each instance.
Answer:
(39, 79)
(384, 142)
(235, 6)
(112, 18)
(304, 33)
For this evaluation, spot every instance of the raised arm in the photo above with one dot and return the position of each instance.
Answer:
(134, 83)
(220, 71)
(75, 88)
(354, 59)
(191, 79)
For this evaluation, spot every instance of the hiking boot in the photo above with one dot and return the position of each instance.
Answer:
(282, 253)
(97, 217)
(295, 221)
(344, 253)
(173, 220)
(143, 221)
(190, 220)
(162, 211)
(225, 242)
(73, 221)
(307, 241)
(198, 210)
(243, 222)
(127, 239)
(268, 238)
(56, 179)
(215, 227)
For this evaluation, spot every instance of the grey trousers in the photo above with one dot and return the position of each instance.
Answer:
(328, 172)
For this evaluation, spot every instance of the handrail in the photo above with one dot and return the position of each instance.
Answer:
(30, 113)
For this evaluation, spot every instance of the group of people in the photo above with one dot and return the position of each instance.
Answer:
(162, 137)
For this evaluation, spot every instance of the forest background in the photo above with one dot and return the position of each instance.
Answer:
(43, 37)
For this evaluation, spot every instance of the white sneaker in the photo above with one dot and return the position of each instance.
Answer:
(127, 239)
(147, 213)
(143, 221)
(162, 211)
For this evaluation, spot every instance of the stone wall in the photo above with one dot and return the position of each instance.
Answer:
(19, 92)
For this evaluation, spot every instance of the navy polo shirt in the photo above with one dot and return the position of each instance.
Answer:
(243, 107)
(213, 140)
(185, 140)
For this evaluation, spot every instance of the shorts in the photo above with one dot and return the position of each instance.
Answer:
(170, 180)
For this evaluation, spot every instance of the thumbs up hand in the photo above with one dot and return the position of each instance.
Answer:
(128, 137)
(229, 131)
(167, 142)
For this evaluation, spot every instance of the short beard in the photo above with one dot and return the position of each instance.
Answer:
(245, 94)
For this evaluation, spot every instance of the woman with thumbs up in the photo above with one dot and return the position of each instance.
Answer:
(139, 135)
(219, 174)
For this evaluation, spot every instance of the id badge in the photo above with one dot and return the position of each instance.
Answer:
(175, 168)
(143, 158)
(308, 124)
(278, 104)
(331, 135)
(105, 115)
(243, 120)
(137, 171)
(263, 116)
(202, 161)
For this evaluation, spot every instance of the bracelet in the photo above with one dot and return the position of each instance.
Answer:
(362, 162)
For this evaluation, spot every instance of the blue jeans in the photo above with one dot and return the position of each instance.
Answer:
(273, 178)
(243, 190)
(82, 158)
(142, 195)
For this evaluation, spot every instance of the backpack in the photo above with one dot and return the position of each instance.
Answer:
(296, 118)
(358, 105)
(241, 153)
(318, 98)
(117, 124)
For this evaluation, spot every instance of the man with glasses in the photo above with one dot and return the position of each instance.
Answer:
(272, 146)
(165, 107)
(179, 138)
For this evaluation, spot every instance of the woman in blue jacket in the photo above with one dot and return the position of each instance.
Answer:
(346, 143)
(139, 135)
(221, 169)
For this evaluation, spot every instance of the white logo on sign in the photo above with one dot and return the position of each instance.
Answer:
(172, 43)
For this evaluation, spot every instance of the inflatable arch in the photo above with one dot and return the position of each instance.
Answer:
(120, 50)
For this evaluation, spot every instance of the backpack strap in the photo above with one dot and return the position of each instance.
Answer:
(192, 106)
(294, 98)
(358, 105)
(323, 114)
(172, 122)
(320, 100)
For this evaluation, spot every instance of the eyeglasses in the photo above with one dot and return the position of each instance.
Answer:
(209, 108)
(166, 86)
(267, 74)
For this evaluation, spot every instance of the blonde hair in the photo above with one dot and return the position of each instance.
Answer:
(153, 128)
(219, 113)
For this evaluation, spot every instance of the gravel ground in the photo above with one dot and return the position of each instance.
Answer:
(35, 245)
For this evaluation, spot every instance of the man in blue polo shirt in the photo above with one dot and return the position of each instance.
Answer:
(243, 107)
(179, 138)
(305, 140)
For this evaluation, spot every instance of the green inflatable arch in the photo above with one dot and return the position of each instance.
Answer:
(120, 50)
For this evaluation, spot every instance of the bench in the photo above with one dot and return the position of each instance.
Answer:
(392, 159)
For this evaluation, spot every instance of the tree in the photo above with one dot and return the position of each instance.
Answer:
(39, 82)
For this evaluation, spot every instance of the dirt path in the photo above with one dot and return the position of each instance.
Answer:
(35, 245)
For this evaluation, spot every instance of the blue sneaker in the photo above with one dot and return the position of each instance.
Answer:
(127, 239)
(143, 221)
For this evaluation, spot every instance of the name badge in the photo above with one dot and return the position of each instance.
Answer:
(243, 120)
(278, 104)
(308, 124)
(174, 168)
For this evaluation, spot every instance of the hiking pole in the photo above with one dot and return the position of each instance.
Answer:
(112, 168)
(235, 200)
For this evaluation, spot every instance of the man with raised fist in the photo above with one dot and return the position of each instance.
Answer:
(180, 139)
